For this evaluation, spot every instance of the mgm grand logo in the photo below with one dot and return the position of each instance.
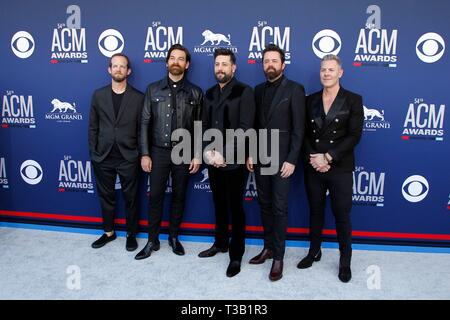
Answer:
(63, 112)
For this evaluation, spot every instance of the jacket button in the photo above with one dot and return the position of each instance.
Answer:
(167, 115)
(166, 135)
(331, 141)
(317, 140)
(312, 120)
(167, 124)
(314, 131)
(337, 120)
(168, 105)
(334, 131)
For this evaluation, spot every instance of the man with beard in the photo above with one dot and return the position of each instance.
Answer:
(280, 105)
(229, 104)
(113, 147)
(170, 103)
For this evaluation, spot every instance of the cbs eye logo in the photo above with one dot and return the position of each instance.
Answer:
(31, 172)
(110, 42)
(326, 42)
(430, 47)
(22, 44)
(415, 188)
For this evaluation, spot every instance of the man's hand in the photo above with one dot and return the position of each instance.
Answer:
(146, 164)
(215, 159)
(195, 165)
(319, 162)
(249, 164)
(287, 170)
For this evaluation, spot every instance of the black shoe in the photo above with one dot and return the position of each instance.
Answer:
(276, 272)
(262, 257)
(307, 261)
(233, 268)
(104, 239)
(177, 248)
(131, 243)
(345, 274)
(211, 252)
(147, 251)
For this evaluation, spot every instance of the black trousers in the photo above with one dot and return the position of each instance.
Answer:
(105, 175)
(340, 186)
(228, 191)
(273, 192)
(162, 167)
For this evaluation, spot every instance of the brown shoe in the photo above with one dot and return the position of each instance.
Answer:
(262, 257)
(276, 272)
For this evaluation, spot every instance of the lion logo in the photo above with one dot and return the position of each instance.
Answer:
(369, 114)
(205, 175)
(62, 106)
(212, 37)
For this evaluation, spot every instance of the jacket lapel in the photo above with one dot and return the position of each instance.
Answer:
(277, 98)
(336, 106)
(317, 107)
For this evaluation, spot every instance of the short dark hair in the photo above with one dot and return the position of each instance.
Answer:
(274, 47)
(178, 46)
(225, 52)
(120, 55)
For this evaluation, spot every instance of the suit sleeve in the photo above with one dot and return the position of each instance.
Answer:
(144, 141)
(298, 124)
(93, 126)
(354, 131)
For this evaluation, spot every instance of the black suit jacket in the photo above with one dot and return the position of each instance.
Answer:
(287, 114)
(105, 129)
(233, 108)
(339, 133)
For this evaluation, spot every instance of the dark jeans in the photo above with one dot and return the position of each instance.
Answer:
(273, 192)
(162, 166)
(105, 175)
(228, 192)
(340, 186)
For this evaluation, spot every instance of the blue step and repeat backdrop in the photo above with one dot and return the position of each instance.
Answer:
(53, 54)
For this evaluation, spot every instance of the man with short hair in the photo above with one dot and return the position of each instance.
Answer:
(280, 106)
(229, 104)
(171, 103)
(113, 146)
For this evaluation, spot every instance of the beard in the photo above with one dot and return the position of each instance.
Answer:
(222, 77)
(272, 73)
(176, 70)
(118, 77)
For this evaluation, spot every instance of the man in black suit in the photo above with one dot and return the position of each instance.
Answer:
(280, 105)
(113, 147)
(335, 119)
(229, 104)
(172, 103)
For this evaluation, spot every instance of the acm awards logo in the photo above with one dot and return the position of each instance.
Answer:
(17, 111)
(31, 172)
(22, 44)
(368, 187)
(3, 176)
(213, 40)
(69, 39)
(158, 41)
(374, 119)
(264, 34)
(376, 46)
(63, 112)
(424, 121)
(75, 176)
(251, 192)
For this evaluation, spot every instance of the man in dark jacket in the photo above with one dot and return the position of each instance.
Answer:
(229, 104)
(113, 147)
(171, 103)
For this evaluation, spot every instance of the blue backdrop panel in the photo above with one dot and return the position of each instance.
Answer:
(54, 54)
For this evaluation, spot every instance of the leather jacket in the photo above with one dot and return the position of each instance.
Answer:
(156, 119)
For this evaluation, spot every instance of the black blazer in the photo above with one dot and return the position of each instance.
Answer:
(233, 108)
(287, 114)
(105, 129)
(339, 133)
